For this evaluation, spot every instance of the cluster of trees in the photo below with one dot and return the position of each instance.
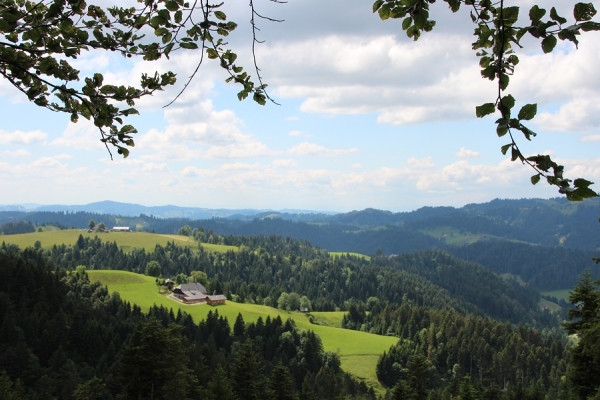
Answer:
(49, 318)
(293, 302)
(495, 356)
(13, 228)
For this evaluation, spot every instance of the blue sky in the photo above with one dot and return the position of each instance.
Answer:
(368, 118)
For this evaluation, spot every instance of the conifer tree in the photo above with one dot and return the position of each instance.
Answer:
(249, 380)
(584, 368)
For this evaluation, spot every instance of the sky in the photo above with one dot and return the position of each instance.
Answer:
(367, 118)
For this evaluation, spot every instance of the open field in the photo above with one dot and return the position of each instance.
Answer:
(125, 240)
(334, 254)
(358, 351)
(559, 294)
(331, 318)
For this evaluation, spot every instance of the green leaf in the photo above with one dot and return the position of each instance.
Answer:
(515, 154)
(501, 130)
(555, 17)
(582, 183)
(188, 45)
(590, 26)
(212, 54)
(377, 4)
(171, 5)
(504, 80)
(505, 148)
(536, 13)
(406, 23)
(178, 16)
(123, 151)
(549, 43)
(485, 109)
(567, 34)
(385, 11)
(510, 15)
(508, 101)
(220, 15)
(259, 98)
(527, 112)
(584, 11)
(535, 179)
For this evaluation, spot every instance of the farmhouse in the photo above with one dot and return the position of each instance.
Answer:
(196, 293)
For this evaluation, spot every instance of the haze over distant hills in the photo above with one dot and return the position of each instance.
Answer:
(166, 211)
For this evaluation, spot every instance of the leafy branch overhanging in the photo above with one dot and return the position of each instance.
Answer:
(496, 38)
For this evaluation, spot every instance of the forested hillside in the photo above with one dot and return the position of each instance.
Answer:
(545, 268)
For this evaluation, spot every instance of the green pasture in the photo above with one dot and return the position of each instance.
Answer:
(334, 254)
(125, 240)
(559, 294)
(331, 318)
(358, 351)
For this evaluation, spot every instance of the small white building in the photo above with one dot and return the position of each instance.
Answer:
(121, 229)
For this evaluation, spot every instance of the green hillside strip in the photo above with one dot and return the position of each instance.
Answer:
(559, 294)
(125, 240)
(546, 304)
(358, 351)
(334, 254)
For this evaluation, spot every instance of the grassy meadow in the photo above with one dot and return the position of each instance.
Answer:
(125, 240)
(358, 351)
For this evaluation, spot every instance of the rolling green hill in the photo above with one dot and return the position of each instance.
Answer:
(358, 351)
(125, 240)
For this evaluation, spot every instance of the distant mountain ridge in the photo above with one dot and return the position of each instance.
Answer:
(166, 211)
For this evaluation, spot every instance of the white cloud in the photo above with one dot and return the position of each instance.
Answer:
(196, 172)
(20, 137)
(591, 138)
(154, 167)
(312, 149)
(466, 153)
(281, 163)
(436, 78)
(17, 153)
(299, 133)
(237, 166)
(199, 131)
(83, 135)
(578, 115)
